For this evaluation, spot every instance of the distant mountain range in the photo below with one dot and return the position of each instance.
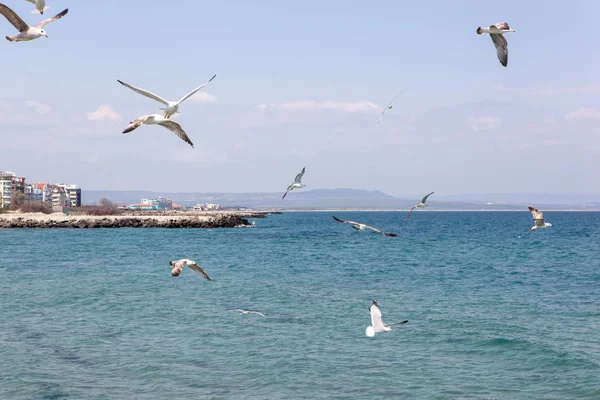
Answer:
(354, 198)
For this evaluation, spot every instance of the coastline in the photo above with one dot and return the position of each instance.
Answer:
(203, 220)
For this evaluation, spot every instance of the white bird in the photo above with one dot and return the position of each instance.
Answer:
(171, 106)
(297, 183)
(40, 6)
(27, 32)
(179, 264)
(496, 33)
(157, 119)
(248, 312)
(538, 219)
(421, 204)
(359, 227)
(389, 107)
(377, 323)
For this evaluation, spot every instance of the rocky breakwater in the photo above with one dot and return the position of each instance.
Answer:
(13, 221)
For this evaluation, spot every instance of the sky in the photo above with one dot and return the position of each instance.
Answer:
(302, 83)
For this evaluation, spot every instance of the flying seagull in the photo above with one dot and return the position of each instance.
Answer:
(27, 32)
(420, 205)
(171, 106)
(538, 218)
(178, 267)
(389, 107)
(496, 33)
(157, 119)
(376, 323)
(297, 183)
(359, 227)
(248, 312)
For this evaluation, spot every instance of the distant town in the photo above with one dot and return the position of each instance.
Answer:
(15, 191)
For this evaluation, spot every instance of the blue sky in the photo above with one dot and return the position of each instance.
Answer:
(302, 84)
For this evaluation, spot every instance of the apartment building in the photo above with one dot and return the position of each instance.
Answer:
(6, 188)
(73, 193)
(59, 196)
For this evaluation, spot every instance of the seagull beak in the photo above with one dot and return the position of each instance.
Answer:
(46, 36)
(512, 30)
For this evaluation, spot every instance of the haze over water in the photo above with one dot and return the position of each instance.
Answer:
(494, 310)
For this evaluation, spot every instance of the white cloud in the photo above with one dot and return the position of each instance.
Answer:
(311, 105)
(104, 112)
(203, 97)
(584, 113)
(39, 107)
(483, 123)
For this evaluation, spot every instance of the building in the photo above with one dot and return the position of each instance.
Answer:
(207, 207)
(143, 206)
(74, 194)
(59, 196)
(39, 192)
(6, 188)
(10, 185)
(161, 203)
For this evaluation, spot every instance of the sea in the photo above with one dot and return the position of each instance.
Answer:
(495, 310)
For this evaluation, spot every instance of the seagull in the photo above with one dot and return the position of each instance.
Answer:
(27, 32)
(538, 218)
(157, 119)
(359, 227)
(420, 205)
(171, 106)
(297, 183)
(248, 312)
(178, 267)
(389, 107)
(376, 323)
(496, 33)
(40, 6)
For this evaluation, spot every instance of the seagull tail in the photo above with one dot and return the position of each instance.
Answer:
(36, 11)
(479, 30)
(10, 39)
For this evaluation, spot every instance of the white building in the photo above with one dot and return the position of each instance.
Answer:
(6, 188)
(207, 207)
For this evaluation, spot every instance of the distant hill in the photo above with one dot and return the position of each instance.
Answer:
(349, 198)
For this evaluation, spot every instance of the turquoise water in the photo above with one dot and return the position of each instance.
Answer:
(494, 310)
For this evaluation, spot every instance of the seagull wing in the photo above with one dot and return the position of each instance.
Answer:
(379, 231)
(410, 212)
(287, 191)
(381, 117)
(176, 129)
(56, 17)
(198, 269)
(299, 176)
(538, 217)
(13, 18)
(394, 99)
(145, 93)
(30, 1)
(397, 323)
(501, 47)
(424, 199)
(346, 222)
(136, 124)
(195, 90)
(376, 318)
